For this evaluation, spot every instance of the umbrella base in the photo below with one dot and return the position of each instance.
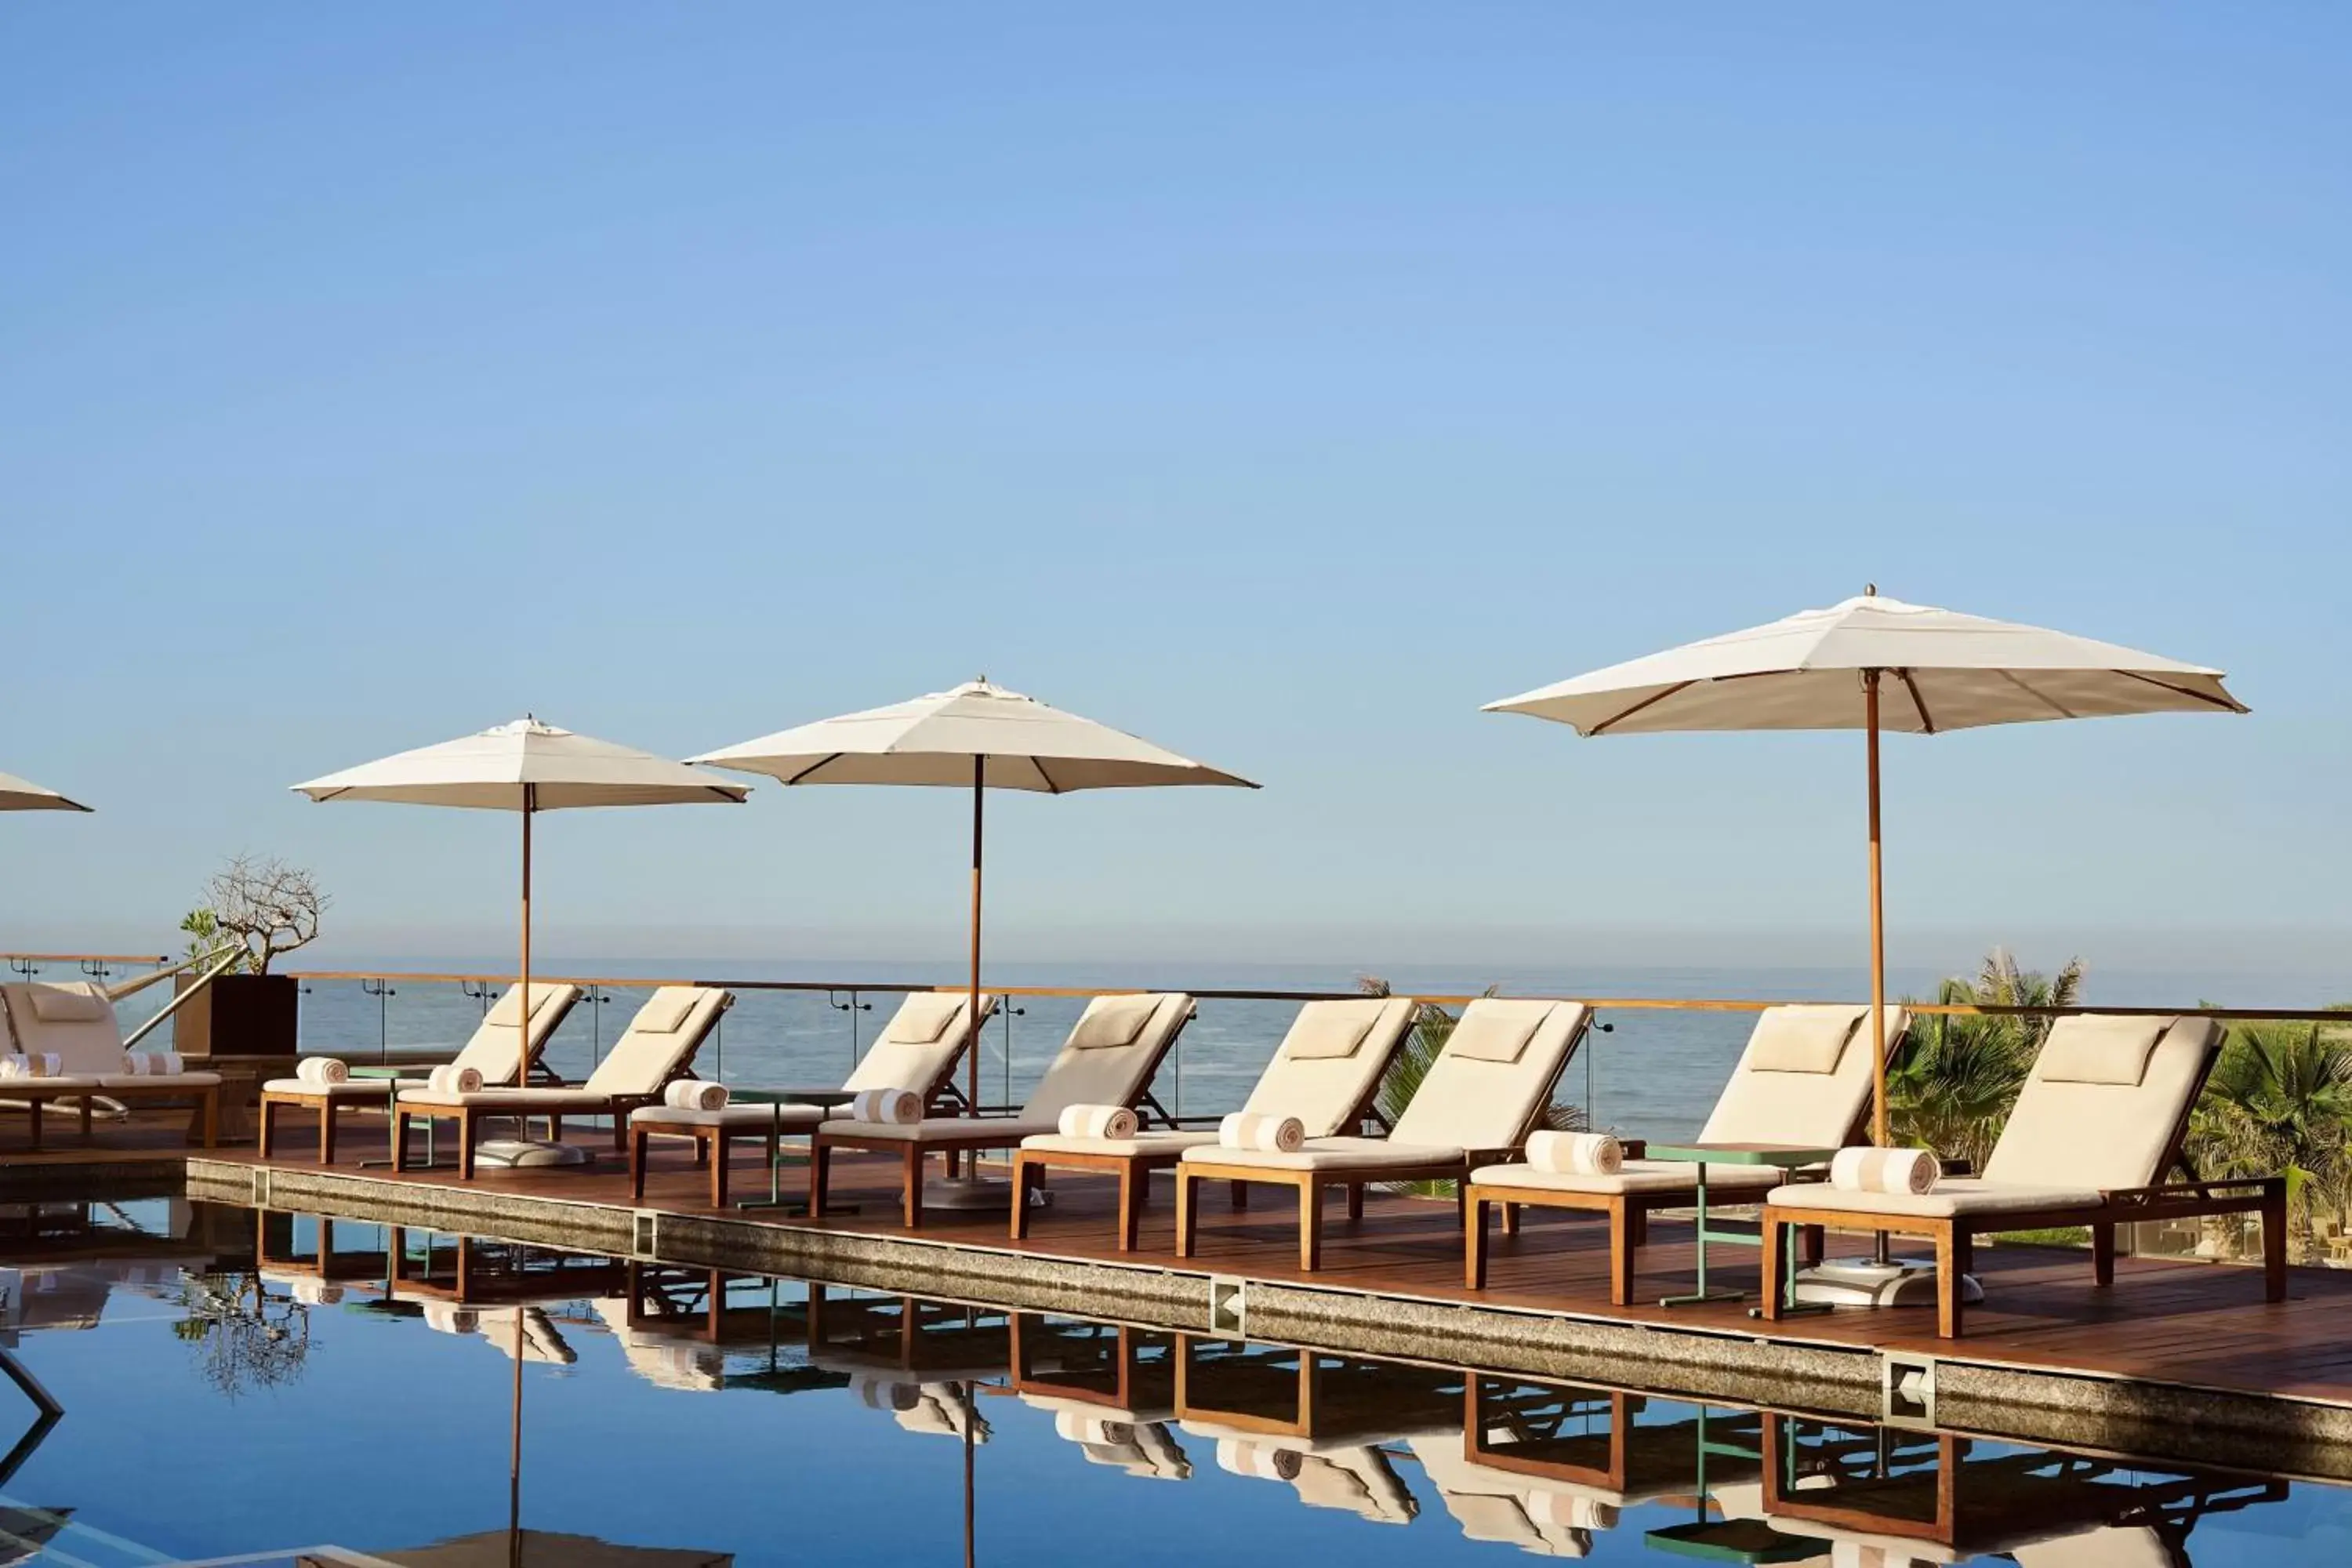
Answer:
(977, 1194)
(1862, 1283)
(525, 1154)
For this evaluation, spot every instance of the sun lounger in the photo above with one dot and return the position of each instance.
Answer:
(493, 1051)
(1326, 1072)
(1486, 1089)
(1803, 1080)
(1137, 1443)
(1109, 1058)
(658, 1047)
(918, 1051)
(75, 1022)
(2096, 1130)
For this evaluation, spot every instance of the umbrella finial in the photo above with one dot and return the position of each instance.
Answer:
(1870, 590)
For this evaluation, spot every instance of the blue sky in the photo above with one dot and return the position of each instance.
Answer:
(1277, 382)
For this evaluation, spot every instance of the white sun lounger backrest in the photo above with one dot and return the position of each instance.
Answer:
(660, 1041)
(492, 1049)
(1324, 1092)
(72, 1019)
(2067, 1132)
(1470, 1102)
(1139, 1029)
(1768, 1104)
(920, 1043)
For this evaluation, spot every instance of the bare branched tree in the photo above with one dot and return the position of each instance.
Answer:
(266, 905)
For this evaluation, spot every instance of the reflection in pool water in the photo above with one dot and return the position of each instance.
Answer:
(236, 1382)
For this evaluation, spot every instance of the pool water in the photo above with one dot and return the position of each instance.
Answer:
(262, 1387)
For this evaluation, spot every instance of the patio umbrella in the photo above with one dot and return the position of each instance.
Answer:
(527, 767)
(23, 795)
(1825, 669)
(975, 736)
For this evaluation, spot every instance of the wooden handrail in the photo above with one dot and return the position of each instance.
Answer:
(1598, 1003)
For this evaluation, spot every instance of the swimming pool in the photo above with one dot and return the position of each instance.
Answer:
(235, 1384)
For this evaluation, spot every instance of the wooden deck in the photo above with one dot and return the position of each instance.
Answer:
(2175, 1322)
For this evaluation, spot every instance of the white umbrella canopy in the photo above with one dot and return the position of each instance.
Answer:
(1951, 671)
(1019, 742)
(976, 736)
(526, 767)
(23, 795)
(1824, 670)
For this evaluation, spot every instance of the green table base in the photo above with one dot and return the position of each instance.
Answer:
(1782, 1159)
(778, 1099)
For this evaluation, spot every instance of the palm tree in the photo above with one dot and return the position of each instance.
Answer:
(2279, 1099)
(1953, 1089)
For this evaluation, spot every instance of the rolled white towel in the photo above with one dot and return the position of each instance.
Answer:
(451, 1078)
(693, 1094)
(44, 1064)
(896, 1107)
(1566, 1511)
(1576, 1153)
(1912, 1171)
(16, 1064)
(324, 1072)
(885, 1394)
(1273, 1134)
(1098, 1122)
(448, 1318)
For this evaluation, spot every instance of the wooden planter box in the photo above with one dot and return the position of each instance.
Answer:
(238, 1015)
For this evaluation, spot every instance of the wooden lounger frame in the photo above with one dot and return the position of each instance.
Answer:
(28, 1094)
(711, 1143)
(1310, 1183)
(825, 1141)
(1134, 1171)
(1954, 1236)
(1629, 1213)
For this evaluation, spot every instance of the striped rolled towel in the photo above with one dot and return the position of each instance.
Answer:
(693, 1094)
(1096, 1431)
(1098, 1122)
(1576, 1153)
(892, 1107)
(1912, 1171)
(38, 1064)
(451, 1078)
(324, 1071)
(1240, 1457)
(1272, 1134)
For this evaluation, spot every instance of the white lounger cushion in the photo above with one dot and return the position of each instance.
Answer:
(372, 1089)
(1323, 1091)
(2103, 1135)
(1005, 1130)
(1464, 1103)
(640, 1062)
(519, 1101)
(113, 1082)
(497, 1049)
(1809, 1110)
(1637, 1176)
(919, 1045)
(61, 1084)
(1090, 1075)
(1333, 1155)
(742, 1118)
(1140, 1145)
(1953, 1196)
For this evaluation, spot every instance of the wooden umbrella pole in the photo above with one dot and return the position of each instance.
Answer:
(522, 1068)
(972, 1017)
(1877, 926)
(514, 1442)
